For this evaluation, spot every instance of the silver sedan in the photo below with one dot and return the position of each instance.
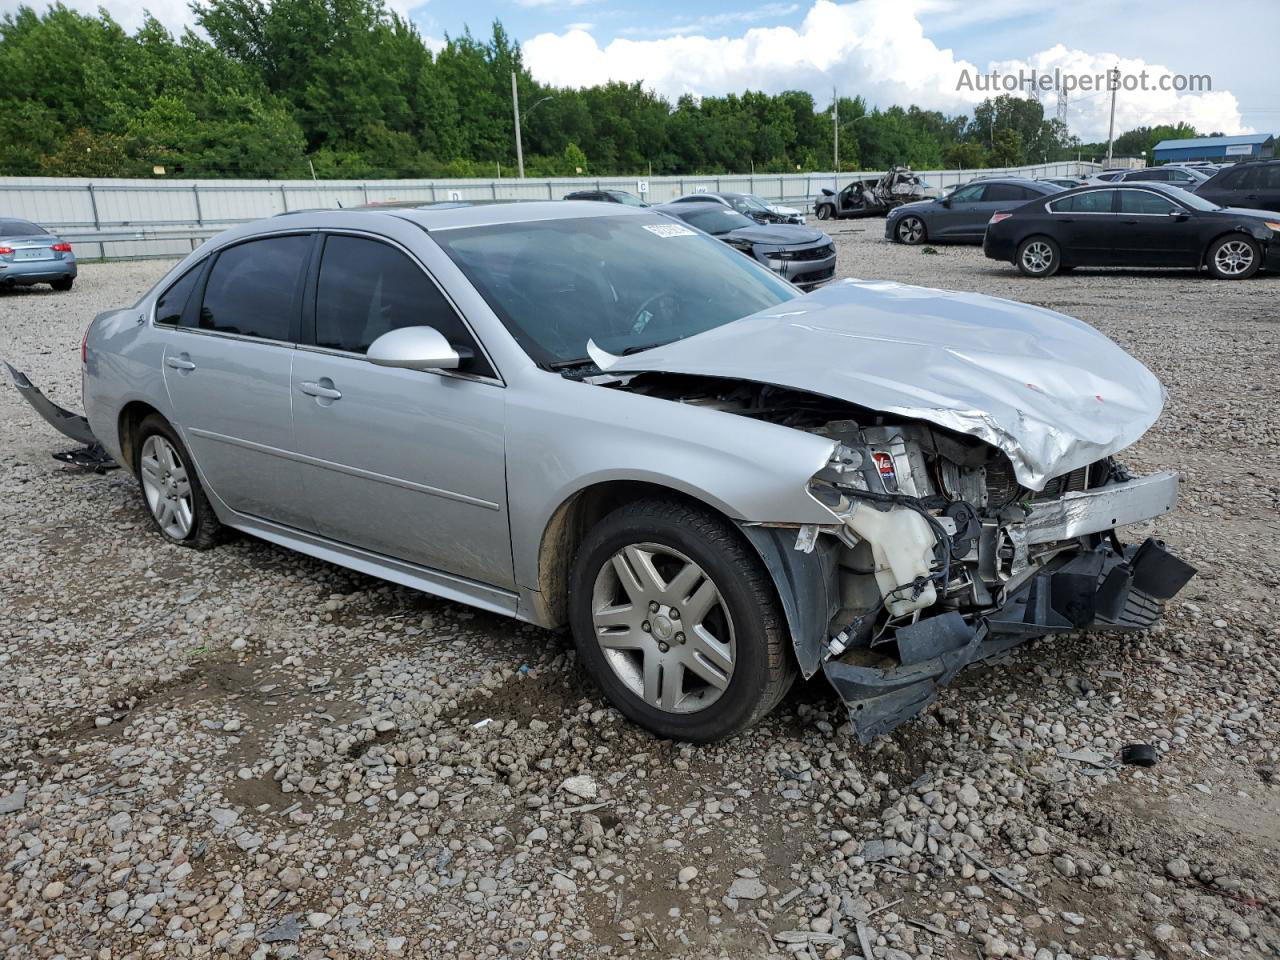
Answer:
(586, 414)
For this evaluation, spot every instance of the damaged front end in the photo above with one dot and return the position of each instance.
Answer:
(941, 558)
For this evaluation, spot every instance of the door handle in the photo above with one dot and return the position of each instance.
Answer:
(322, 391)
(179, 363)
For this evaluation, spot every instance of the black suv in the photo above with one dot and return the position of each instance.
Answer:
(1252, 184)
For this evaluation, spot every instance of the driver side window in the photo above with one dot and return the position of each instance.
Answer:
(969, 194)
(367, 288)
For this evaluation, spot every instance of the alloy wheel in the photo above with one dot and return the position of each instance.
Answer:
(1233, 258)
(167, 487)
(664, 628)
(911, 230)
(1037, 257)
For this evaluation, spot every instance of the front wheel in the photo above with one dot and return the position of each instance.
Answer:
(823, 212)
(910, 230)
(1234, 258)
(674, 615)
(1038, 257)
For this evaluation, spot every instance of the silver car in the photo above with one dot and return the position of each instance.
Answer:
(30, 254)
(587, 414)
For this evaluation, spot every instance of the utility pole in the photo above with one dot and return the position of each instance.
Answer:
(1113, 76)
(515, 106)
(835, 139)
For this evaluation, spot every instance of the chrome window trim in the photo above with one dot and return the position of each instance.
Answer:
(1154, 193)
(223, 335)
(1048, 204)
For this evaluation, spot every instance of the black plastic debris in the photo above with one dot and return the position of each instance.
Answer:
(1139, 755)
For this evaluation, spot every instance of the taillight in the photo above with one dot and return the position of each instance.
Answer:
(5, 251)
(61, 247)
(997, 217)
(84, 346)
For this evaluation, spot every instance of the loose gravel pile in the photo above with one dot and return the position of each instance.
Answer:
(249, 753)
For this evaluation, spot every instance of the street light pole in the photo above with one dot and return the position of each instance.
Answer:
(1113, 76)
(515, 106)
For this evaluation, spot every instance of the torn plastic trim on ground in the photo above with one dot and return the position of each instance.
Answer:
(92, 455)
(1096, 589)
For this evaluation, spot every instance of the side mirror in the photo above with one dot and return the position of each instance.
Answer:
(944, 201)
(1179, 214)
(415, 348)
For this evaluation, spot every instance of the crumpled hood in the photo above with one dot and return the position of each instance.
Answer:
(1049, 390)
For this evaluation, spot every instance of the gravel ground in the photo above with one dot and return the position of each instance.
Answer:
(250, 753)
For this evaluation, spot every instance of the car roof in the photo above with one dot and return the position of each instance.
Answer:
(527, 211)
(687, 207)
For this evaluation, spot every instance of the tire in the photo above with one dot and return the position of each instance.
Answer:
(1038, 257)
(63, 284)
(682, 565)
(911, 231)
(1233, 257)
(169, 487)
(823, 212)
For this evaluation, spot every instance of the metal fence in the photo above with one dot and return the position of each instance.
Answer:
(167, 218)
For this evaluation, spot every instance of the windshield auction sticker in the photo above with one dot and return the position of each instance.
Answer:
(669, 230)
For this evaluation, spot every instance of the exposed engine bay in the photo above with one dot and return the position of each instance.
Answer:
(937, 556)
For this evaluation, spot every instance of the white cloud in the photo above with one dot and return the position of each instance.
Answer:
(698, 25)
(876, 48)
(552, 3)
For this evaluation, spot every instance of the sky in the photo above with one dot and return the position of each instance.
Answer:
(929, 52)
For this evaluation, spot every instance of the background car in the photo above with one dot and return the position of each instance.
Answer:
(805, 256)
(1134, 225)
(1066, 183)
(607, 196)
(30, 254)
(1254, 185)
(962, 215)
(1184, 177)
(747, 204)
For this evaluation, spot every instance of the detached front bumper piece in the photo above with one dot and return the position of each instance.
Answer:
(1104, 588)
(92, 455)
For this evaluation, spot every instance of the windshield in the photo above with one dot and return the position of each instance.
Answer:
(1188, 199)
(742, 202)
(716, 221)
(629, 199)
(626, 282)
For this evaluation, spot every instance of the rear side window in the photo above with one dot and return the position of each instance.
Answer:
(1268, 176)
(173, 302)
(368, 288)
(1231, 180)
(1095, 201)
(252, 288)
(1140, 201)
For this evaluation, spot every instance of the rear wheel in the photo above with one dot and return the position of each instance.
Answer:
(1234, 257)
(675, 617)
(1038, 257)
(170, 488)
(63, 284)
(910, 230)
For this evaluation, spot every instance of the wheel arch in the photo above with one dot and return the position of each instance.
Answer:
(569, 523)
(1204, 253)
(127, 423)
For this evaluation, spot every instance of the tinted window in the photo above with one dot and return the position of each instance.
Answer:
(1268, 177)
(1139, 201)
(172, 302)
(1095, 201)
(19, 228)
(1005, 192)
(1231, 180)
(968, 194)
(252, 288)
(368, 288)
(1148, 175)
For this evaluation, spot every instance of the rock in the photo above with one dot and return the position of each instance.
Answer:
(53, 891)
(582, 787)
(747, 888)
(1164, 932)
(1179, 869)
(224, 817)
(119, 822)
(563, 884)
(232, 725)
(13, 802)
(969, 796)
(286, 931)
(290, 878)
(536, 835)
(686, 874)
(318, 920)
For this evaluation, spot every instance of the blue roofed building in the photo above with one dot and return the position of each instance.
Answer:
(1219, 149)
